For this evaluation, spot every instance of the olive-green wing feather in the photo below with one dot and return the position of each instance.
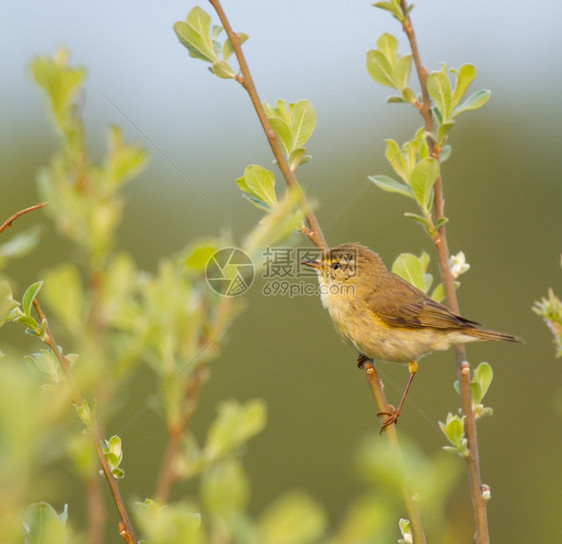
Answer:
(403, 305)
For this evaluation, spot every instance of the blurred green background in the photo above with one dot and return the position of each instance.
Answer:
(504, 201)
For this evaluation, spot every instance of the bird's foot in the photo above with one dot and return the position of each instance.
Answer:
(361, 360)
(392, 417)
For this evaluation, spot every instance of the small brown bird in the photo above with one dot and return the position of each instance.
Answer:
(385, 317)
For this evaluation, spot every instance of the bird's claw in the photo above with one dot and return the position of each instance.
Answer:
(361, 360)
(392, 417)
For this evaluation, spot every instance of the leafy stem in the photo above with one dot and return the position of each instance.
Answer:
(314, 232)
(126, 528)
(440, 240)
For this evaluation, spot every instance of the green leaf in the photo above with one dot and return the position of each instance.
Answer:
(194, 34)
(483, 376)
(29, 297)
(284, 133)
(392, 7)
(227, 49)
(225, 489)
(386, 183)
(396, 159)
(395, 100)
(439, 87)
(47, 365)
(412, 269)
(402, 75)
(388, 46)
(257, 202)
(424, 176)
(223, 70)
(293, 519)
(379, 68)
(443, 131)
(235, 424)
(303, 122)
(60, 82)
(261, 184)
(439, 293)
(473, 102)
(465, 76)
(84, 412)
(7, 303)
(64, 294)
(297, 157)
(169, 524)
(409, 96)
(199, 253)
(28, 322)
(20, 244)
(422, 220)
(44, 526)
(124, 161)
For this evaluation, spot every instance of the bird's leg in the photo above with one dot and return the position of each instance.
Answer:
(393, 416)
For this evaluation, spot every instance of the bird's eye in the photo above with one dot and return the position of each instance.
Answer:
(335, 265)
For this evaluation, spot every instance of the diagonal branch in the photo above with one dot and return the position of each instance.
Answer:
(314, 232)
(479, 503)
(9, 221)
(126, 528)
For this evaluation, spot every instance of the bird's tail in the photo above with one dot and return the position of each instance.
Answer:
(485, 334)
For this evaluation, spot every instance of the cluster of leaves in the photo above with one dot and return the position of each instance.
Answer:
(293, 124)
(453, 427)
(418, 166)
(112, 313)
(550, 309)
(201, 40)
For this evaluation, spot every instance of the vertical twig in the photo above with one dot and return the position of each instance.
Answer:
(126, 530)
(440, 240)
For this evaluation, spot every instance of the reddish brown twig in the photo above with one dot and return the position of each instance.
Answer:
(9, 221)
(440, 241)
(126, 531)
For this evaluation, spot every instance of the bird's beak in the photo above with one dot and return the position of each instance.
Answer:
(313, 264)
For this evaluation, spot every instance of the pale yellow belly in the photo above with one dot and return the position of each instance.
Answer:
(380, 341)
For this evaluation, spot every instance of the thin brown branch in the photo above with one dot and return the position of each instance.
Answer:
(479, 503)
(127, 533)
(377, 390)
(315, 234)
(9, 221)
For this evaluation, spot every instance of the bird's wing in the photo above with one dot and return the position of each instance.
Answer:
(402, 304)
